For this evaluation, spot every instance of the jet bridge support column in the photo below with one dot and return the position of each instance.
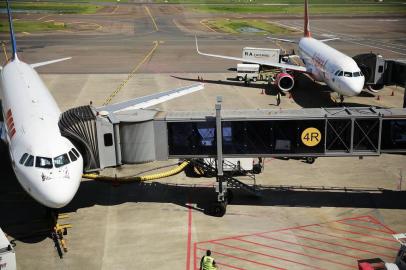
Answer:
(219, 208)
(404, 97)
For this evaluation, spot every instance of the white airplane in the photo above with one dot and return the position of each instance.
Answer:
(322, 62)
(46, 164)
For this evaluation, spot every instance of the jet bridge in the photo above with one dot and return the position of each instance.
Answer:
(109, 139)
(139, 136)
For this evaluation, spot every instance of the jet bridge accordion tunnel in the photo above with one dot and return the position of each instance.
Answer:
(139, 136)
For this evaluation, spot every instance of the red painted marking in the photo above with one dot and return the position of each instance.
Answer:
(8, 114)
(339, 245)
(295, 252)
(11, 126)
(189, 237)
(364, 234)
(363, 227)
(229, 266)
(311, 247)
(9, 121)
(349, 239)
(247, 260)
(12, 133)
(266, 255)
(218, 263)
(383, 225)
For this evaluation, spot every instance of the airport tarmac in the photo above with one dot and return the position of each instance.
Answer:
(336, 211)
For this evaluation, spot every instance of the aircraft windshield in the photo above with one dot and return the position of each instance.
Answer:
(61, 160)
(30, 161)
(72, 156)
(23, 158)
(356, 74)
(347, 74)
(43, 162)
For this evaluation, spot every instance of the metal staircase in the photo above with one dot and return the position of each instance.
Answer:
(232, 182)
(79, 126)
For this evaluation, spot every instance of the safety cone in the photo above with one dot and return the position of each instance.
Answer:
(378, 97)
(262, 92)
(393, 93)
(290, 95)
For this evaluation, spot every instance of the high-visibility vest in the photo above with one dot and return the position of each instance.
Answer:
(208, 263)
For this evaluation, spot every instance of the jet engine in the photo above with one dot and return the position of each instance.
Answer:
(284, 81)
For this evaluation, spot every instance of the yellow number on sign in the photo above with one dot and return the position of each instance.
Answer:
(311, 137)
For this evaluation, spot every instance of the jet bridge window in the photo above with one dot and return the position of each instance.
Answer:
(394, 134)
(23, 158)
(43, 162)
(61, 160)
(30, 161)
(192, 138)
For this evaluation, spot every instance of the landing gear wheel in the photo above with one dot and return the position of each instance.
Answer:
(240, 79)
(218, 209)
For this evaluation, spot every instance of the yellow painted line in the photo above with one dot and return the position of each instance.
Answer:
(114, 10)
(152, 18)
(49, 21)
(26, 33)
(4, 50)
(202, 22)
(132, 73)
(43, 17)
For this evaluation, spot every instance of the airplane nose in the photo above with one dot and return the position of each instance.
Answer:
(354, 87)
(59, 193)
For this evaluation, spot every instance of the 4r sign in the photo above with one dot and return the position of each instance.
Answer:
(311, 136)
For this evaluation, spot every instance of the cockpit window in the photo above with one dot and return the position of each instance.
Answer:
(356, 74)
(347, 74)
(340, 73)
(61, 160)
(30, 161)
(43, 162)
(72, 156)
(23, 158)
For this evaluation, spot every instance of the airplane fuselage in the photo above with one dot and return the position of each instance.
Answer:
(46, 164)
(325, 64)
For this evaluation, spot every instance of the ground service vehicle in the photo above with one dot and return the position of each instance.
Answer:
(7, 254)
(247, 72)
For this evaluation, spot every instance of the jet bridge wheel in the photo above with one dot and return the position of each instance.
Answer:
(218, 209)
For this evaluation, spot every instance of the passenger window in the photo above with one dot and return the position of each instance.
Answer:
(61, 160)
(43, 162)
(340, 73)
(23, 158)
(72, 156)
(75, 152)
(347, 74)
(108, 139)
(29, 162)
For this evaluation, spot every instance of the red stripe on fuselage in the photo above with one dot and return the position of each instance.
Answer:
(9, 114)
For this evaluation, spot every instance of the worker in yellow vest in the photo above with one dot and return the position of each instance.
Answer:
(207, 262)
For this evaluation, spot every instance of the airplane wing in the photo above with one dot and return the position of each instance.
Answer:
(40, 64)
(264, 63)
(151, 100)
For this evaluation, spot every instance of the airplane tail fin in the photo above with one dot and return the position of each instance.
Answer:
(12, 36)
(306, 20)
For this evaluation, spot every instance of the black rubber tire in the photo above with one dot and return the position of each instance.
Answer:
(218, 209)
(310, 160)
